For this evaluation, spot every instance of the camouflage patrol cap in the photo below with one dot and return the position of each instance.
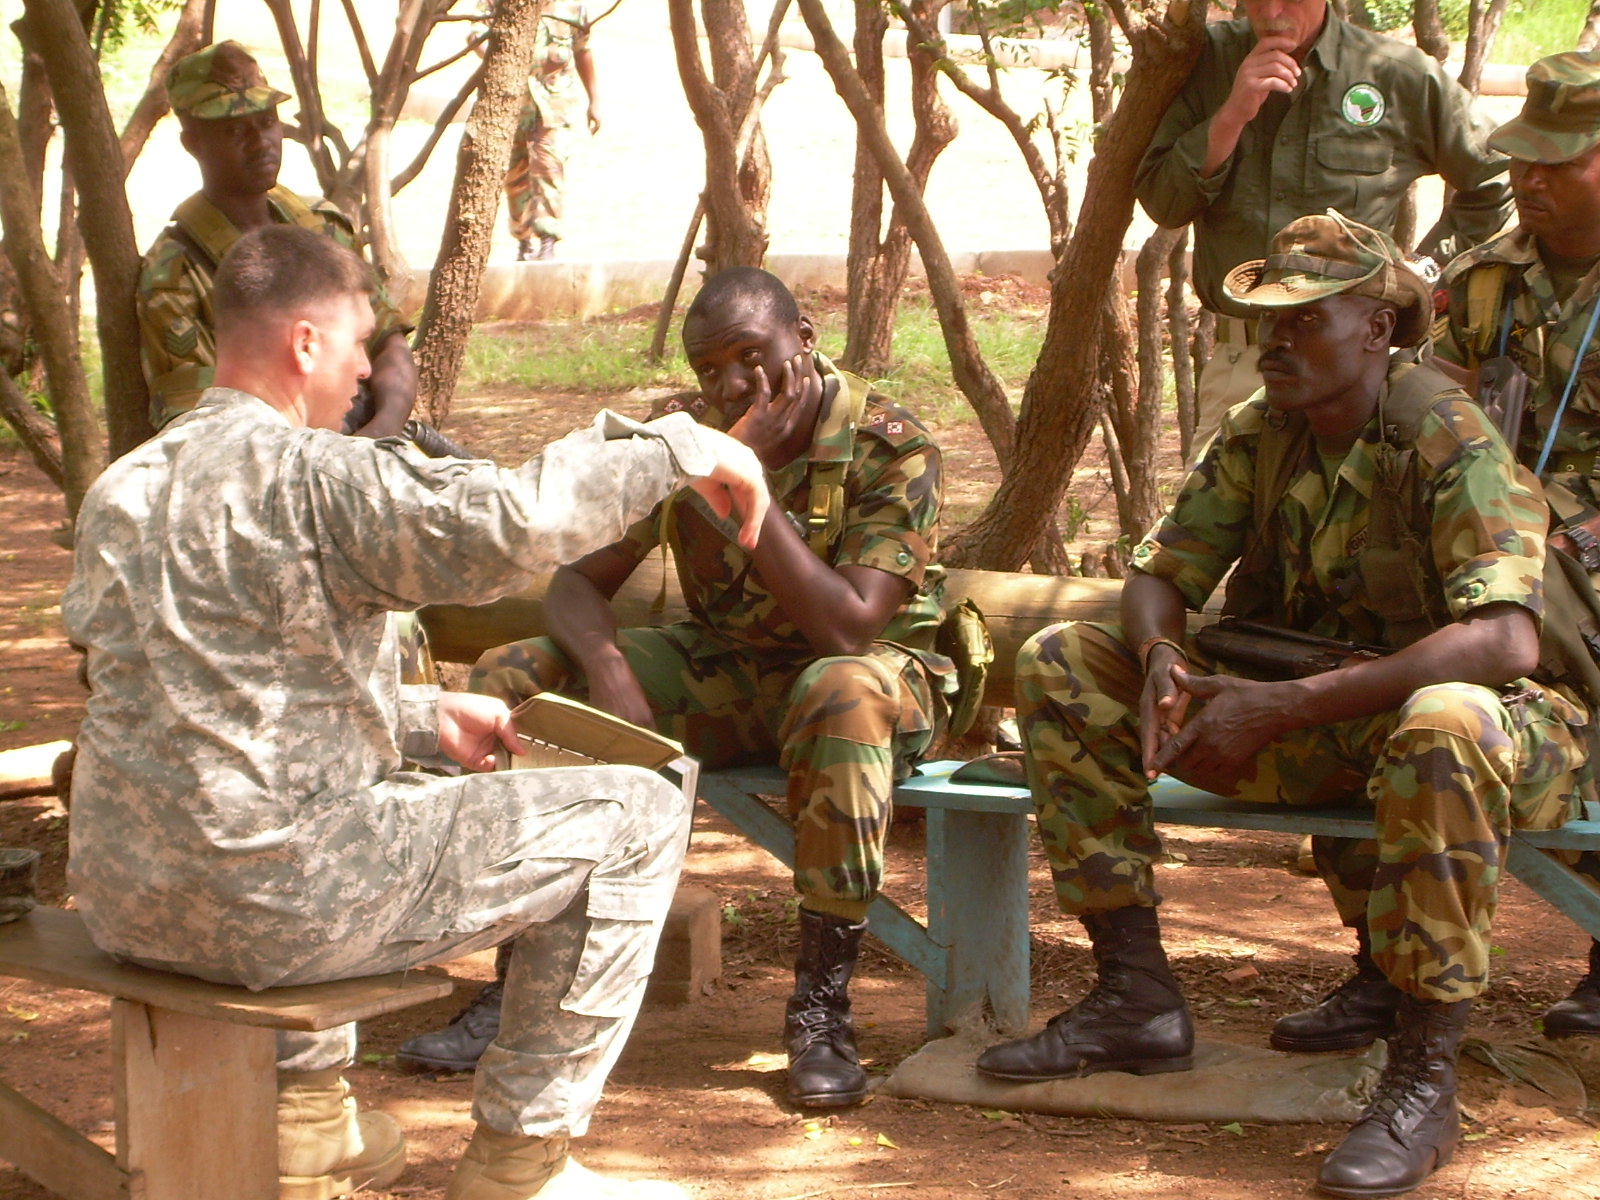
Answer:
(220, 81)
(1560, 119)
(1315, 257)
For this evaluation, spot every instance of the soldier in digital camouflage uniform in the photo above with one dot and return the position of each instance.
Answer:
(230, 123)
(817, 655)
(563, 79)
(240, 810)
(1449, 746)
(1290, 110)
(1528, 295)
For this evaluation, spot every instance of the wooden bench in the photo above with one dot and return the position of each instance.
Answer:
(974, 948)
(193, 1070)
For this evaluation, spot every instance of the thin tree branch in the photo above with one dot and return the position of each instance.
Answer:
(367, 64)
(457, 102)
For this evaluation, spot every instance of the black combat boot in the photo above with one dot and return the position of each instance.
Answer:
(1412, 1125)
(459, 1045)
(824, 1069)
(1134, 1019)
(1356, 1013)
(1579, 1013)
(547, 247)
(524, 249)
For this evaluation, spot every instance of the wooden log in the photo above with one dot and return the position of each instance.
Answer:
(25, 771)
(1016, 606)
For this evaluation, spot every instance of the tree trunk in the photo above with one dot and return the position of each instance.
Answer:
(1056, 421)
(93, 153)
(877, 270)
(1179, 334)
(34, 110)
(37, 434)
(972, 375)
(389, 91)
(1142, 437)
(1431, 37)
(82, 454)
(1405, 220)
(481, 163)
(869, 321)
(1483, 26)
(737, 189)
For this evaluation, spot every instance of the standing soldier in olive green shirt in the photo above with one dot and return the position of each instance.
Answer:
(1293, 111)
(229, 116)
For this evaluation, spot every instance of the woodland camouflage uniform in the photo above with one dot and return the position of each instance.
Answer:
(738, 682)
(176, 327)
(1448, 774)
(177, 345)
(542, 143)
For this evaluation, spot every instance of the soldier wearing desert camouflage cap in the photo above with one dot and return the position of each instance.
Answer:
(229, 115)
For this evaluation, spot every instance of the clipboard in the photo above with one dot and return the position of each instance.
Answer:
(556, 731)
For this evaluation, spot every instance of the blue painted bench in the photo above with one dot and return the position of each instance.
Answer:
(973, 950)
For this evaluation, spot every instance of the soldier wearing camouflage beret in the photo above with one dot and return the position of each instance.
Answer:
(1299, 493)
(229, 116)
(815, 650)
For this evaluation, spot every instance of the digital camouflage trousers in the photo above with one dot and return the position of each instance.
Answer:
(1448, 775)
(845, 729)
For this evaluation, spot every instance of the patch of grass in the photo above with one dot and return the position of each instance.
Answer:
(1534, 28)
(920, 377)
(609, 356)
(577, 357)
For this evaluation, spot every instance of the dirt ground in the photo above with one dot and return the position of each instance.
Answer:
(698, 1095)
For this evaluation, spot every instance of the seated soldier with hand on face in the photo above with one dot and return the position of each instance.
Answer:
(241, 813)
(1360, 499)
(814, 649)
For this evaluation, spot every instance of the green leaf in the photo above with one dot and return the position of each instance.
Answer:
(1234, 1128)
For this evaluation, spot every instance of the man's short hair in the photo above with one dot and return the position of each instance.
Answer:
(746, 286)
(281, 269)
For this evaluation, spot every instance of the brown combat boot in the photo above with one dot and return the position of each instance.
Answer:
(511, 1166)
(326, 1148)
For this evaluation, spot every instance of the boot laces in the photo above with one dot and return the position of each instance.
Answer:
(1403, 1094)
(484, 1009)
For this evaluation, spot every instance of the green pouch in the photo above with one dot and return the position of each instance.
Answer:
(964, 639)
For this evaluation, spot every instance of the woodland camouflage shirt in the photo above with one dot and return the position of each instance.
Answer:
(1487, 531)
(892, 498)
(1543, 339)
(177, 342)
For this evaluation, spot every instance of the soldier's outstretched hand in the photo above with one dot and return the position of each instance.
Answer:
(736, 483)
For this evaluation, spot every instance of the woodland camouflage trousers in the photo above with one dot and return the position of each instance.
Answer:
(1448, 775)
(845, 728)
(535, 177)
